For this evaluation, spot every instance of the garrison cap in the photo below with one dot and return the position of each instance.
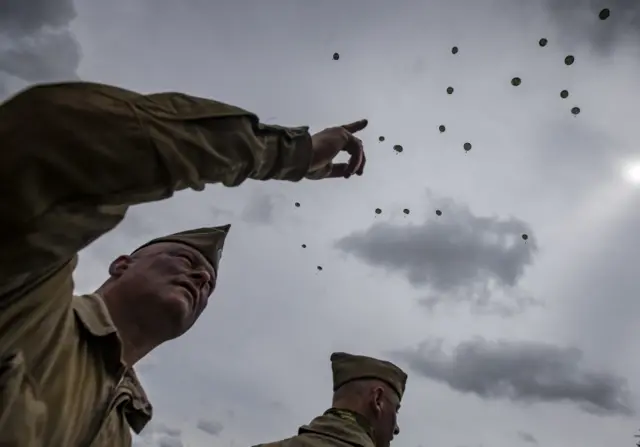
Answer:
(208, 241)
(349, 367)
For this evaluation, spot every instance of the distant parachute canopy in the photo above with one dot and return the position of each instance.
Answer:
(319, 268)
(543, 42)
(381, 138)
(575, 110)
(406, 211)
(441, 128)
(564, 94)
(525, 237)
(467, 147)
(438, 213)
(378, 211)
(304, 245)
(398, 148)
(516, 81)
(454, 50)
(569, 60)
(297, 204)
(336, 56)
(449, 90)
(604, 14)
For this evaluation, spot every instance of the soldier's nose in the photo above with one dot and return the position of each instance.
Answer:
(201, 276)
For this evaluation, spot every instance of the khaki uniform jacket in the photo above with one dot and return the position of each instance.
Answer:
(327, 431)
(73, 158)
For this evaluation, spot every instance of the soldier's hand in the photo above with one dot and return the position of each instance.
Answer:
(328, 143)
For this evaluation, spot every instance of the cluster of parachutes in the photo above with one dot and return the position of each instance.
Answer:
(515, 81)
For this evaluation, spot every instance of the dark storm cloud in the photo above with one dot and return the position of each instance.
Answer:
(36, 43)
(527, 438)
(464, 256)
(578, 20)
(524, 372)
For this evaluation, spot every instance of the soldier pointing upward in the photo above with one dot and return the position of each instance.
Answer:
(73, 158)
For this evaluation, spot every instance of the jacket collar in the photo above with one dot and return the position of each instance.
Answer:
(93, 315)
(343, 429)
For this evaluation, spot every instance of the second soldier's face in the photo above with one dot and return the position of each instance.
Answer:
(169, 284)
(387, 424)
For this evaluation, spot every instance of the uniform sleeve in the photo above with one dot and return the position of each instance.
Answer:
(75, 156)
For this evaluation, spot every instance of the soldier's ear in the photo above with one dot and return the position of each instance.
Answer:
(378, 401)
(119, 266)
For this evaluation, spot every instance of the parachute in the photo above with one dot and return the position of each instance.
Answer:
(304, 245)
(406, 211)
(564, 94)
(441, 128)
(438, 213)
(525, 237)
(543, 42)
(575, 111)
(516, 81)
(467, 147)
(398, 148)
(336, 56)
(378, 211)
(604, 14)
(449, 90)
(381, 138)
(454, 50)
(297, 204)
(569, 60)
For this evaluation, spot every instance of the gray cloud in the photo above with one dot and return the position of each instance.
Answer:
(527, 437)
(36, 43)
(465, 256)
(524, 372)
(210, 426)
(578, 20)
(170, 441)
(259, 209)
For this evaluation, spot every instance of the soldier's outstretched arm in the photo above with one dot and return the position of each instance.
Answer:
(75, 156)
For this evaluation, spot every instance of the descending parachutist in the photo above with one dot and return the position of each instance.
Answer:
(336, 56)
(449, 90)
(575, 111)
(406, 211)
(441, 128)
(438, 213)
(516, 81)
(297, 205)
(467, 147)
(543, 42)
(525, 237)
(398, 148)
(564, 94)
(304, 245)
(454, 50)
(378, 211)
(381, 138)
(604, 14)
(569, 60)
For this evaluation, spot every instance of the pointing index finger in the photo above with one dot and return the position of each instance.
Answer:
(356, 126)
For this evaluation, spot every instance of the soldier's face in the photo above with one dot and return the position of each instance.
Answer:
(168, 285)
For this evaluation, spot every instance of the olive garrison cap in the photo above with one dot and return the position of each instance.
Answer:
(208, 241)
(349, 367)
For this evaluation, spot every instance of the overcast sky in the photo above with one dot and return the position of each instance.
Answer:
(506, 342)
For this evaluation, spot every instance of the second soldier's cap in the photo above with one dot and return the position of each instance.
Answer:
(349, 367)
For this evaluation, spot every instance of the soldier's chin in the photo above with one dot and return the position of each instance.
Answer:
(177, 308)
